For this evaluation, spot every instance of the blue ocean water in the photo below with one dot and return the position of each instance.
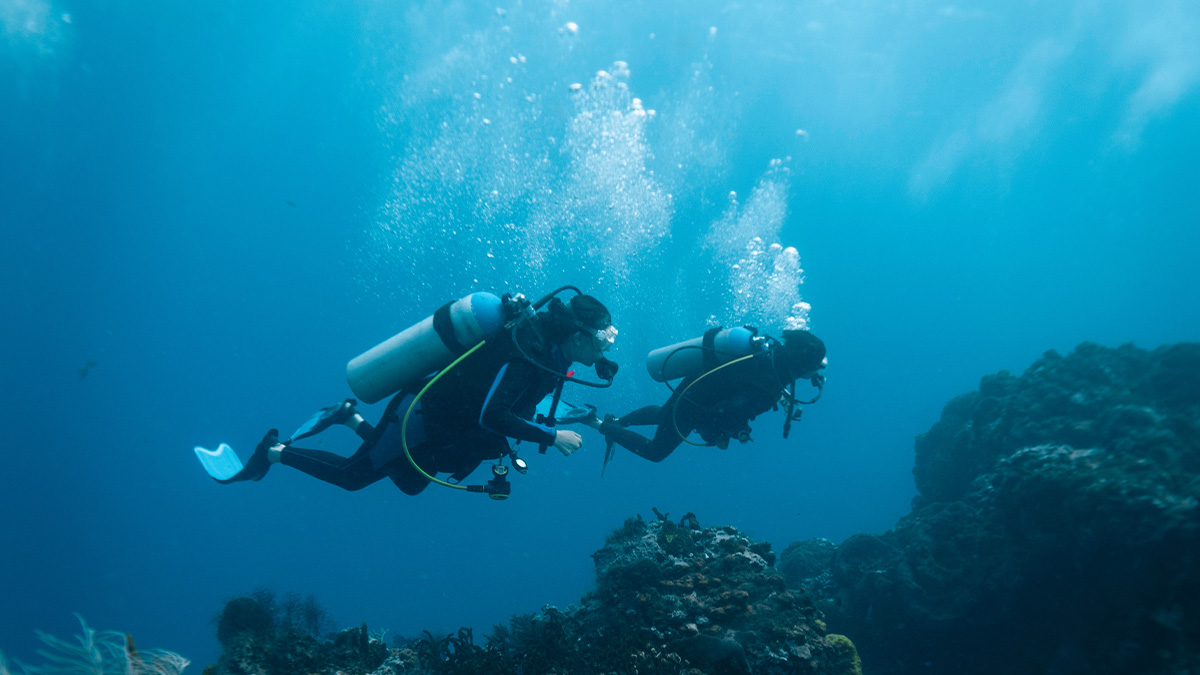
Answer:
(208, 208)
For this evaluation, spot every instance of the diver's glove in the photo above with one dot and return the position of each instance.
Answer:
(605, 369)
(581, 415)
(567, 442)
(610, 424)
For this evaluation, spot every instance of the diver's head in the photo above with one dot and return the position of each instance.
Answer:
(801, 356)
(583, 330)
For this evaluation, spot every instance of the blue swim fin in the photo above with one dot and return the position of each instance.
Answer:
(222, 463)
(583, 414)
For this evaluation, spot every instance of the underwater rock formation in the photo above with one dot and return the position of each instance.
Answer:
(265, 635)
(669, 598)
(1057, 528)
(710, 596)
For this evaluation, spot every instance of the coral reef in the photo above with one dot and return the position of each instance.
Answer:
(1057, 528)
(261, 635)
(708, 596)
(669, 598)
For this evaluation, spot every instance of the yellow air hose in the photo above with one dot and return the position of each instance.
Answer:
(413, 405)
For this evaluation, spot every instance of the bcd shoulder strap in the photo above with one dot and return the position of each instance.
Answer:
(708, 349)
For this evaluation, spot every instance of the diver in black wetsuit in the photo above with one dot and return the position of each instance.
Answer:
(466, 417)
(720, 403)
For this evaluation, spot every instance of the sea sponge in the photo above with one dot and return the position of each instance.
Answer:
(847, 655)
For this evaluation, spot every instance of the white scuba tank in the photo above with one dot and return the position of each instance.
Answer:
(419, 350)
(686, 359)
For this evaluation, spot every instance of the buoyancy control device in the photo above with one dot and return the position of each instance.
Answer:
(716, 350)
(425, 347)
(438, 344)
(698, 355)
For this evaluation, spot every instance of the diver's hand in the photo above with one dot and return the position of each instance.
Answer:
(567, 442)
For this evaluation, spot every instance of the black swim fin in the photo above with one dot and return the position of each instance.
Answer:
(257, 466)
(609, 451)
(337, 413)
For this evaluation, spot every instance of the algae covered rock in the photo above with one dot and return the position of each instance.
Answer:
(710, 596)
(264, 635)
(1057, 530)
(1127, 399)
(669, 598)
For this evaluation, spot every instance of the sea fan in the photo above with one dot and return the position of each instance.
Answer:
(99, 653)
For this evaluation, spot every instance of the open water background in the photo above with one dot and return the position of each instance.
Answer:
(217, 204)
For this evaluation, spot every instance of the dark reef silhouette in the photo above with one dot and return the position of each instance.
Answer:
(669, 598)
(1055, 531)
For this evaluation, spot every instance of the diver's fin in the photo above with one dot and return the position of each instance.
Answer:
(608, 455)
(584, 414)
(325, 418)
(222, 463)
(225, 467)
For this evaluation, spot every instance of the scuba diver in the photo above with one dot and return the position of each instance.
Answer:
(729, 378)
(495, 359)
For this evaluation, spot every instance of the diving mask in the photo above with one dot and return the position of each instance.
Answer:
(606, 337)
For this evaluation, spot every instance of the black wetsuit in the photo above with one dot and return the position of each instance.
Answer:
(719, 407)
(464, 419)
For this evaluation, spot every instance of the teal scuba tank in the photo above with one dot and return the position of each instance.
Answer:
(425, 347)
(698, 355)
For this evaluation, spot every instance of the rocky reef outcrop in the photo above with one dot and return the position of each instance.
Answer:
(671, 598)
(261, 634)
(1057, 529)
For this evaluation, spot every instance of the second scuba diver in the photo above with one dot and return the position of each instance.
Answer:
(729, 378)
(464, 415)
